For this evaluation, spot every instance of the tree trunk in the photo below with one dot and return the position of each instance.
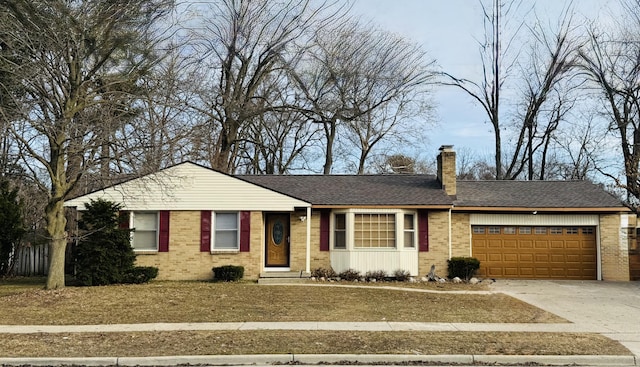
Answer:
(56, 223)
(331, 137)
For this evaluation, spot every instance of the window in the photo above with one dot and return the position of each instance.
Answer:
(340, 232)
(587, 230)
(509, 230)
(409, 231)
(494, 230)
(555, 230)
(478, 230)
(145, 231)
(524, 230)
(541, 230)
(572, 230)
(374, 231)
(226, 236)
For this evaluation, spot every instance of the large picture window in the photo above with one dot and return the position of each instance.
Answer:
(226, 236)
(374, 231)
(145, 231)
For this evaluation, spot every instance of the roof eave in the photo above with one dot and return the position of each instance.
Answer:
(382, 206)
(619, 209)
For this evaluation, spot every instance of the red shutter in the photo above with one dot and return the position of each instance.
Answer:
(163, 238)
(423, 231)
(324, 230)
(123, 219)
(245, 231)
(205, 231)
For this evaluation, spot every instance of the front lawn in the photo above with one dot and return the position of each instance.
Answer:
(237, 302)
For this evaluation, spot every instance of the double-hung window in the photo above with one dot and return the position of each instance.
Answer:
(340, 231)
(409, 231)
(145, 231)
(227, 231)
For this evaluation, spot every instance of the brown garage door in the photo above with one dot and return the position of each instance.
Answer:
(535, 252)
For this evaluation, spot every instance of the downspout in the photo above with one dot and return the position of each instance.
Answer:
(450, 249)
(308, 256)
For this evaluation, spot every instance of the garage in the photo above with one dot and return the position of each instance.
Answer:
(535, 252)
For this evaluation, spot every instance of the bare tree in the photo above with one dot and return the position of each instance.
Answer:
(612, 62)
(497, 63)
(548, 94)
(546, 83)
(243, 44)
(363, 77)
(73, 58)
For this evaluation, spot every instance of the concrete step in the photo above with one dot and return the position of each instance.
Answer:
(282, 280)
(283, 277)
(285, 274)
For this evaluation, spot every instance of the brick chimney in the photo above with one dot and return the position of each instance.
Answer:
(447, 169)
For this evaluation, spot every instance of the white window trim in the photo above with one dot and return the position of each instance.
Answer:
(133, 229)
(349, 235)
(214, 231)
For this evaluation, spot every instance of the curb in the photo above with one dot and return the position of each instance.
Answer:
(313, 359)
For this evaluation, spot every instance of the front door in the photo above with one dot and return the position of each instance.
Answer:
(277, 240)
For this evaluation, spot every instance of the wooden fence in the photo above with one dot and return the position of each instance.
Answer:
(31, 260)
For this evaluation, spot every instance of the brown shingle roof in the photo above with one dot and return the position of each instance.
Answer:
(389, 190)
(534, 194)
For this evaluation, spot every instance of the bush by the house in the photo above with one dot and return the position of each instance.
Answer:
(377, 275)
(104, 255)
(326, 273)
(140, 274)
(227, 273)
(401, 275)
(350, 275)
(463, 267)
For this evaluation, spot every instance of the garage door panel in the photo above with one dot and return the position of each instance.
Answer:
(492, 257)
(494, 243)
(526, 258)
(557, 258)
(564, 253)
(556, 244)
(541, 258)
(572, 244)
(525, 244)
(542, 244)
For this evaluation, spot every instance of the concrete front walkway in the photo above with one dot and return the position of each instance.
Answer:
(608, 308)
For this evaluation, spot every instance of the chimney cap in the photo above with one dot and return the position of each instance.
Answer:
(446, 148)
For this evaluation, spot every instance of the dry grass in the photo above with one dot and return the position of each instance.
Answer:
(225, 302)
(24, 302)
(304, 342)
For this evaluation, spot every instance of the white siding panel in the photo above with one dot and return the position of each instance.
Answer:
(535, 219)
(188, 186)
(371, 260)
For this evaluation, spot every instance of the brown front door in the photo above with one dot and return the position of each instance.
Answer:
(277, 240)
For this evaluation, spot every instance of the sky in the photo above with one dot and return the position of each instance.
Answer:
(448, 30)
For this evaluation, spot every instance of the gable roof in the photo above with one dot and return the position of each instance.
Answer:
(189, 186)
(561, 195)
(358, 190)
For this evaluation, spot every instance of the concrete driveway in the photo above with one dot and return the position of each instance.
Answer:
(610, 308)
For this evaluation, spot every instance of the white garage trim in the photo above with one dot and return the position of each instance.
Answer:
(559, 220)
